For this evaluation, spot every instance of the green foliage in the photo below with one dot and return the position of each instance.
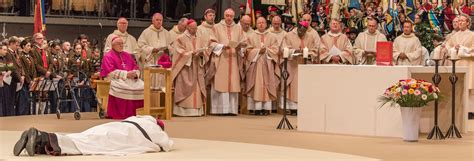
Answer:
(425, 33)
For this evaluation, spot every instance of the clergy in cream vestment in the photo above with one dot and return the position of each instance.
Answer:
(153, 42)
(226, 65)
(461, 45)
(365, 45)
(261, 80)
(129, 42)
(338, 45)
(296, 45)
(407, 49)
(188, 72)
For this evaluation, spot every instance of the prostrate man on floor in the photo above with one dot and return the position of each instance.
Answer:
(134, 135)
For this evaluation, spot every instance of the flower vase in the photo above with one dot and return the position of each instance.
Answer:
(410, 123)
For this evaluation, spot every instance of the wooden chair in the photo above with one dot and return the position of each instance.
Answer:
(150, 108)
(102, 94)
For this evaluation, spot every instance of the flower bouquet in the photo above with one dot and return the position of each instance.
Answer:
(411, 95)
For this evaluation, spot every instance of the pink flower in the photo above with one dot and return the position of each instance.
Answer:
(417, 92)
(404, 92)
(387, 92)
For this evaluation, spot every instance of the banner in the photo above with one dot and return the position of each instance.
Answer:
(410, 9)
(39, 17)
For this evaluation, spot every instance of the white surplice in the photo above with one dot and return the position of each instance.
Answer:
(116, 138)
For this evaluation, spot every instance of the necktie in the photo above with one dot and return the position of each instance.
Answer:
(43, 56)
(84, 54)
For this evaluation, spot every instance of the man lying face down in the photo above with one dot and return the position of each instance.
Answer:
(134, 135)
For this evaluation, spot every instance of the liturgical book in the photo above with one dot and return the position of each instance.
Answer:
(384, 53)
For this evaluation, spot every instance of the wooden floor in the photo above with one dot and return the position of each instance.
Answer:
(261, 130)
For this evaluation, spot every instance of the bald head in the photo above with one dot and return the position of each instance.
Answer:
(245, 22)
(276, 23)
(157, 20)
(229, 11)
(245, 18)
(122, 25)
(157, 14)
(117, 44)
(261, 24)
(229, 16)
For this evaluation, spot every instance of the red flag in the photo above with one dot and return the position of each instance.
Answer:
(39, 19)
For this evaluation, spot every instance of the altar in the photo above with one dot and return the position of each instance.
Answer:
(344, 99)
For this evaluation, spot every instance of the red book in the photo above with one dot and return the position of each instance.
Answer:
(384, 53)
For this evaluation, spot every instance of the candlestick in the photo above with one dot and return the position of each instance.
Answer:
(454, 55)
(305, 52)
(286, 52)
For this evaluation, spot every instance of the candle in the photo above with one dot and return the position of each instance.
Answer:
(305, 52)
(285, 52)
(454, 55)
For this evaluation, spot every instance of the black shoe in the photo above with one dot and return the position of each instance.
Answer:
(266, 112)
(31, 143)
(52, 148)
(21, 143)
(258, 112)
(294, 112)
